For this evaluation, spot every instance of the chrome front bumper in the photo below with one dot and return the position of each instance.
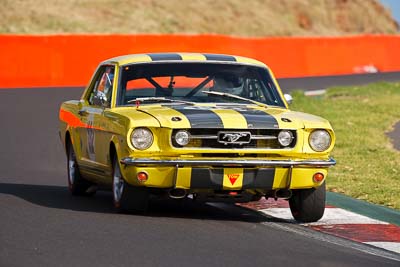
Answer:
(228, 163)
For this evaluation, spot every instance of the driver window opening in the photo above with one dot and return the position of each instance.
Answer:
(102, 89)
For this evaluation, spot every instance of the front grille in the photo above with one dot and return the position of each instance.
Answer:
(228, 139)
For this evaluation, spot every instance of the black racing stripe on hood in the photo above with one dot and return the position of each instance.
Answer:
(165, 56)
(259, 119)
(200, 118)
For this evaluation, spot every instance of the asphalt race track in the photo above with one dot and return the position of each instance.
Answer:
(42, 225)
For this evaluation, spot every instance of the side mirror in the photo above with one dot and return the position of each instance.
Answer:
(288, 98)
(100, 100)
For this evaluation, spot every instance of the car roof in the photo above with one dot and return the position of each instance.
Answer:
(187, 57)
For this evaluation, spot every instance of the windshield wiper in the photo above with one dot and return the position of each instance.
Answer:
(235, 97)
(158, 99)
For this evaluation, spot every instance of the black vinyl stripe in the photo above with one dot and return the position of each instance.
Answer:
(264, 178)
(257, 119)
(248, 178)
(258, 178)
(217, 57)
(200, 118)
(202, 178)
(164, 56)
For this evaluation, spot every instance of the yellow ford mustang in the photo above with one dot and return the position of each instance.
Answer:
(205, 126)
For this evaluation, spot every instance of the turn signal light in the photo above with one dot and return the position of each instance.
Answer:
(318, 177)
(142, 176)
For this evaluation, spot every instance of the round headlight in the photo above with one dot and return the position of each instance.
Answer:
(285, 138)
(142, 138)
(320, 140)
(182, 138)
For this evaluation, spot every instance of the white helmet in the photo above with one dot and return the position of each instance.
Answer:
(228, 84)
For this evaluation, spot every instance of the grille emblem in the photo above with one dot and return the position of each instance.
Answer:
(234, 138)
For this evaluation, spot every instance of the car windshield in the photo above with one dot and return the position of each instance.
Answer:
(177, 83)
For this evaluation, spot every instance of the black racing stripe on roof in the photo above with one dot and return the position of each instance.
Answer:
(200, 117)
(219, 57)
(164, 56)
(258, 119)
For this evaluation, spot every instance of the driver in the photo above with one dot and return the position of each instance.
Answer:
(228, 84)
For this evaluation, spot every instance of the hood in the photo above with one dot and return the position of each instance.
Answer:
(219, 116)
(305, 120)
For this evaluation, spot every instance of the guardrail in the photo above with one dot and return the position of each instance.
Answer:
(69, 60)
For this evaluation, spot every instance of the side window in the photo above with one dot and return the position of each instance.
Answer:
(102, 89)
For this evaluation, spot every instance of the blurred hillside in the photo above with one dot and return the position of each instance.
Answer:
(231, 17)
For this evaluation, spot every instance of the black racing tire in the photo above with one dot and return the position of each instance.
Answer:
(77, 185)
(308, 205)
(127, 198)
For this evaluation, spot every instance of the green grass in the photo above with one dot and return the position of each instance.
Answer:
(368, 167)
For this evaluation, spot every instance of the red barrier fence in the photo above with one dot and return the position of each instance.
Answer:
(69, 60)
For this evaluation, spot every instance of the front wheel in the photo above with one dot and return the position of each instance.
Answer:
(127, 198)
(308, 205)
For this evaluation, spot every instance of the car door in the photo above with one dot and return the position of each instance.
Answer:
(91, 113)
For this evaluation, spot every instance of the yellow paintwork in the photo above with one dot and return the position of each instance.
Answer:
(114, 125)
(164, 177)
(142, 58)
(231, 119)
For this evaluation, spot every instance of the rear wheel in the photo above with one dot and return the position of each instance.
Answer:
(77, 185)
(308, 205)
(127, 198)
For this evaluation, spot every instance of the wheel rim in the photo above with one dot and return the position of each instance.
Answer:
(71, 167)
(118, 183)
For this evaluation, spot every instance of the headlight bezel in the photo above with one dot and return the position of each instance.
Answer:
(138, 144)
(320, 147)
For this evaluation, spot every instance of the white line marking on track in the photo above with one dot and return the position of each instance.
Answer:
(331, 216)
(392, 246)
(315, 92)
